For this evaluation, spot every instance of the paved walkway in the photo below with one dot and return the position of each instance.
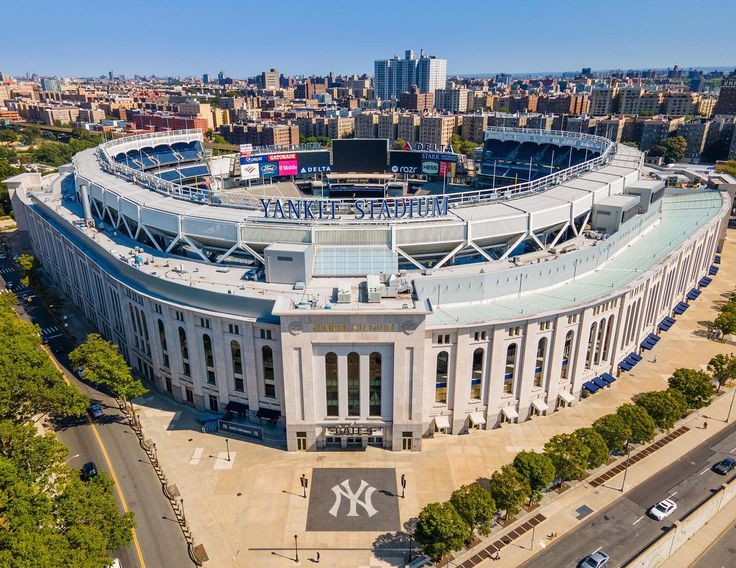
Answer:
(246, 511)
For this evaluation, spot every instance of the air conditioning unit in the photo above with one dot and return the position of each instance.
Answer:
(374, 288)
(343, 293)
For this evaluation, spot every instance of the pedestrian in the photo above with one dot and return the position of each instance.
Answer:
(654, 360)
(705, 425)
(317, 560)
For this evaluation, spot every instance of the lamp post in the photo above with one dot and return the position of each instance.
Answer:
(227, 446)
(403, 486)
(296, 548)
(305, 483)
(626, 470)
(730, 406)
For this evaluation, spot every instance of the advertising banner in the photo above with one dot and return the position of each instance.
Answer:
(430, 168)
(246, 149)
(401, 162)
(248, 171)
(314, 162)
(288, 168)
(252, 159)
(269, 169)
(447, 169)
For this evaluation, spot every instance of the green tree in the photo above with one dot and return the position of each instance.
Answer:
(30, 266)
(671, 149)
(398, 144)
(614, 431)
(569, 456)
(638, 420)
(697, 386)
(725, 321)
(727, 167)
(29, 383)
(665, 407)
(510, 489)
(440, 530)
(476, 506)
(538, 470)
(461, 146)
(8, 135)
(595, 443)
(103, 364)
(723, 368)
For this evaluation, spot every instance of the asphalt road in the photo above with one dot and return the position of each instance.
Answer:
(623, 528)
(720, 554)
(110, 443)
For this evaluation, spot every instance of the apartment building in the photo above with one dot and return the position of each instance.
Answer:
(408, 128)
(436, 129)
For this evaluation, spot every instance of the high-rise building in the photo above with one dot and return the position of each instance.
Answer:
(726, 103)
(431, 73)
(110, 75)
(50, 84)
(453, 100)
(205, 78)
(395, 76)
(270, 79)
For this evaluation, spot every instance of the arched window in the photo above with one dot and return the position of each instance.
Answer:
(510, 370)
(440, 378)
(591, 346)
(599, 340)
(269, 382)
(609, 339)
(476, 378)
(353, 384)
(207, 346)
(237, 358)
(162, 335)
(331, 385)
(183, 344)
(566, 354)
(539, 363)
(209, 358)
(145, 325)
(374, 383)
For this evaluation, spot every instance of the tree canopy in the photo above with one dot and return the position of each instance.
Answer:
(639, 422)
(29, 383)
(665, 407)
(671, 149)
(614, 430)
(697, 386)
(476, 506)
(595, 443)
(723, 368)
(510, 489)
(104, 365)
(537, 468)
(440, 530)
(569, 456)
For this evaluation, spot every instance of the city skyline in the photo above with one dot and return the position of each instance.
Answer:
(480, 42)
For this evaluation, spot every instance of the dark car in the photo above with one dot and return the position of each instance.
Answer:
(725, 465)
(95, 410)
(89, 470)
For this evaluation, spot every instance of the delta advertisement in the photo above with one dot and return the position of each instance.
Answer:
(284, 164)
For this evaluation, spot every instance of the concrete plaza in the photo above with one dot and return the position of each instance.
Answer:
(247, 511)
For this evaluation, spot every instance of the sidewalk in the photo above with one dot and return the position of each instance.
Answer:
(244, 509)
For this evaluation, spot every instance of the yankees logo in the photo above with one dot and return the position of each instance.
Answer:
(343, 490)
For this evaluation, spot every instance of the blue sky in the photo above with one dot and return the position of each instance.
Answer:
(82, 37)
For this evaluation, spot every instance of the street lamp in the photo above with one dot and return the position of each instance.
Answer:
(296, 548)
(227, 446)
(626, 470)
(403, 486)
(730, 406)
(304, 483)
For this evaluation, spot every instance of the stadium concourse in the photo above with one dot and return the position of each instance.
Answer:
(363, 313)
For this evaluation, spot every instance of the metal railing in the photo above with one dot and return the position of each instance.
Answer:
(347, 205)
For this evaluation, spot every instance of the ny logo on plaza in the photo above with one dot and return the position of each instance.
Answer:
(343, 490)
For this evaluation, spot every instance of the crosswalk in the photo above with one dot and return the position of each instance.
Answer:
(51, 332)
(8, 269)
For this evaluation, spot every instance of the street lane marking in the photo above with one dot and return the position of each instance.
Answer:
(705, 470)
(138, 550)
(672, 494)
(597, 549)
(636, 521)
(196, 456)
(732, 451)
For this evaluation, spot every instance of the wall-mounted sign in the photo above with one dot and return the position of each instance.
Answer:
(240, 429)
(362, 209)
(351, 430)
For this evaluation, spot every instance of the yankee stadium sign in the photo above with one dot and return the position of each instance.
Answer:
(361, 209)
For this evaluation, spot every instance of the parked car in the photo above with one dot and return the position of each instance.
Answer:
(95, 410)
(663, 509)
(724, 466)
(598, 559)
(89, 470)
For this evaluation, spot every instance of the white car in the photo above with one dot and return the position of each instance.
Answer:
(663, 509)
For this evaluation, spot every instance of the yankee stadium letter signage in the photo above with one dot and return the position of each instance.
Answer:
(362, 209)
